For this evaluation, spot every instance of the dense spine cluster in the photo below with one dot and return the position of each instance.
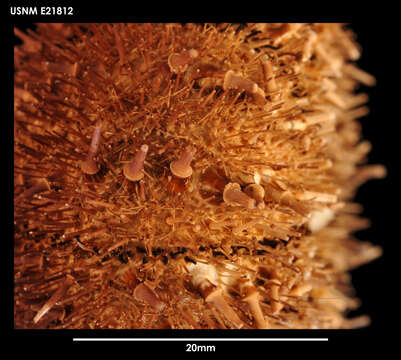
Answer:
(188, 176)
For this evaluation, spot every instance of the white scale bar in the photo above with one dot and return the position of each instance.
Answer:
(200, 339)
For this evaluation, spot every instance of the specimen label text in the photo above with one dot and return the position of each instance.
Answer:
(41, 10)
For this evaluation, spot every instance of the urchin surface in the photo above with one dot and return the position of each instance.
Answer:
(188, 176)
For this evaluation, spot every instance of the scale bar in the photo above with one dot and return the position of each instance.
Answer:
(200, 339)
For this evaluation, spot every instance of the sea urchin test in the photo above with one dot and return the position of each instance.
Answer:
(188, 176)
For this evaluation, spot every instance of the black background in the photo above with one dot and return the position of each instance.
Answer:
(375, 283)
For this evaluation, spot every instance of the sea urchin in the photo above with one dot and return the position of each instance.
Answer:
(188, 176)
